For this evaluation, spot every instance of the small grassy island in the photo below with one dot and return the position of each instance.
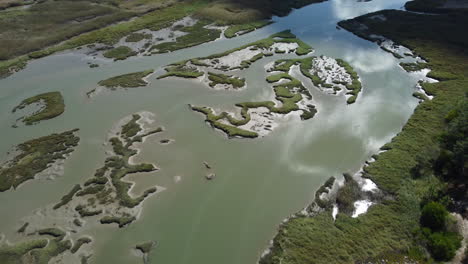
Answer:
(35, 156)
(222, 79)
(119, 53)
(129, 80)
(420, 173)
(145, 249)
(52, 105)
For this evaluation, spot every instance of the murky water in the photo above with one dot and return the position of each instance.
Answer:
(259, 182)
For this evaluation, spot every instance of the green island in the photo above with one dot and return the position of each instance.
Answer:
(119, 53)
(52, 105)
(129, 80)
(145, 248)
(34, 156)
(222, 79)
(419, 171)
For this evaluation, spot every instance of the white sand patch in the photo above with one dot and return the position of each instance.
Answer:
(368, 186)
(462, 226)
(422, 75)
(262, 121)
(234, 59)
(334, 212)
(330, 71)
(177, 179)
(361, 207)
(285, 47)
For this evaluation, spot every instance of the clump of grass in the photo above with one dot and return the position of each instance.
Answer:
(35, 156)
(81, 209)
(412, 67)
(217, 78)
(121, 221)
(22, 229)
(80, 242)
(54, 232)
(347, 195)
(53, 106)
(146, 247)
(136, 37)
(230, 130)
(67, 197)
(11, 254)
(240, 29)
(129, 80)
(197, 34)
(119, 53)
(53, 249)
(181, 70)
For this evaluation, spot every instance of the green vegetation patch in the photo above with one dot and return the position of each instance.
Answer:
(53, 107)
(241, 29)
(412, 67)
(136, 37)
(182, 70)
(121, 221)
(355, 86)
(197, 34)
(129, 80)
(119, 53)
(146, 247)
(218, 78)
(11, 254)
(53, 249)
(67, 197)
(35, 156)
(54, 232)
(80, 242)
(230, 130)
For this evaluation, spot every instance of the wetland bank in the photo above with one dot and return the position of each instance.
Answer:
(191, 219)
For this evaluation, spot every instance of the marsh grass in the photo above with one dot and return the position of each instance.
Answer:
(35, 156)
(129, 80)
(53, 106)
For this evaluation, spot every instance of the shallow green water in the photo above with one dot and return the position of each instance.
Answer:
(259, 182)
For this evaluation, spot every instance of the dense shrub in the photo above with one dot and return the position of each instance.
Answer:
(443, 245)
(433, 216)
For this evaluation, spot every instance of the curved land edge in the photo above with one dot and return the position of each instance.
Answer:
(106, 23)
(52, 105)
(35, 156)
(420, 166)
